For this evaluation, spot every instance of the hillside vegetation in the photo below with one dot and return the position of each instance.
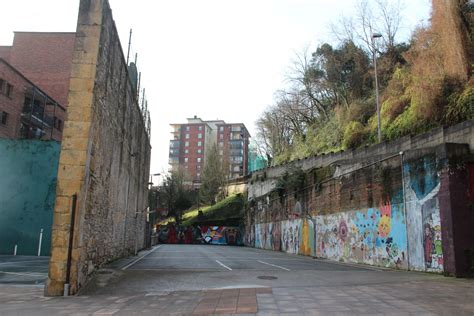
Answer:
(329, 103)
(228, 212)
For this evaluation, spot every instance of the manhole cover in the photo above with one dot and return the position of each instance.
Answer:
(267, 277)
(105, 272)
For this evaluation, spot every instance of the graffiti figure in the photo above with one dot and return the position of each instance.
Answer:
(428, 243)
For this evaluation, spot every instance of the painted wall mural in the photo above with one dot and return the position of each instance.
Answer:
(422, 186)
(214, 235)
(290, 235)
(376, 236)
(388, 235)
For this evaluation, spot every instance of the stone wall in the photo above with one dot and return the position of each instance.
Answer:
(28, 190)
(407, 211)
(105, 157)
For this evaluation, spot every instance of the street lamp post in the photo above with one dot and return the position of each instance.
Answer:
(374, 53)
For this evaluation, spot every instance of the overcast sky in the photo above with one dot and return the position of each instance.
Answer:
(218, 59)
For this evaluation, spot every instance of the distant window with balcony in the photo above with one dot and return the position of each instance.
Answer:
(221, 128)
(200, 135)
(198, 159)
(199, 143)
(186, 159)
(200, 128)
(221, 136)
(199, 151)
(186, 151)
(187, 128)
(198, 167)
(4, 118)
(186, 144)
(187, 136)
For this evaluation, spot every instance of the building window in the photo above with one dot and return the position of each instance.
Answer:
(199, 143)
(198, 167)
(186, 151)
(9, 91)
(199, 151)
(2, 85)
(185, 159)
(221, 152)
(221, 144)
(4, 118)
(198, 175)
(187, 128)
(221, 128)
(57, 123)
(200, 135)
(187, 136)
(186, 144)
(200, 128)
(198, 159)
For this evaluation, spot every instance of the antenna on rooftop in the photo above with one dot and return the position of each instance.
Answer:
(129, 44)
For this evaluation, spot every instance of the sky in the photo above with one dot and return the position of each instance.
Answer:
(217, 59)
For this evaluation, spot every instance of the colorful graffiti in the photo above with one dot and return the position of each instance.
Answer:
(214, 235)
(374, 236)
(424, 224)
(290, 236)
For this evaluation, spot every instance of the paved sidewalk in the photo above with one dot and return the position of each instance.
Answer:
(439, 297)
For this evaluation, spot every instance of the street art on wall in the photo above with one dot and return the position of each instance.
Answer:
(214, 235)
(374, 236)
(290, 235)
(422, 185)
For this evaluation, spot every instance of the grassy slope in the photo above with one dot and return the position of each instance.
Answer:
(228, 212)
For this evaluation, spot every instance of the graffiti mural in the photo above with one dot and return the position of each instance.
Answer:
(307, 238)
(422, 185)
(214, 235)
(290, 235)
(375, 236)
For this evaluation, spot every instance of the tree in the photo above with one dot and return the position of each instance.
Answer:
(214, 176)
(176, 194)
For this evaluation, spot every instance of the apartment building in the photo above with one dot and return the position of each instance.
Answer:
(26, 111)
(190, 141)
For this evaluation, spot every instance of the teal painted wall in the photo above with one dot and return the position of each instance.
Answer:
(28, 171)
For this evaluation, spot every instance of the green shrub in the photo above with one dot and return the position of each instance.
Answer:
(354, 135)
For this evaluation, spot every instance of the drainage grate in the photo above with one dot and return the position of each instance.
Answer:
(267, 277)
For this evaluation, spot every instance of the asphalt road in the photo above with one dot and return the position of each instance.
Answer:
(203, 267)
(23, 269)
(205, 280)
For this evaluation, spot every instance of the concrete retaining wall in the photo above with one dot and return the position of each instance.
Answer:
(376, 214)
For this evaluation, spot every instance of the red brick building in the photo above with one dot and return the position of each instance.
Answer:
(26, 111)
(190, 140)
(45, 58)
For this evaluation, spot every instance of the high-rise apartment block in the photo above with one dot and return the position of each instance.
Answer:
(191, 141)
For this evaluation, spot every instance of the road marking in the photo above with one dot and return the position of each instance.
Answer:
(138, 259)
(223, 265)
(27, 274)
(274, 265)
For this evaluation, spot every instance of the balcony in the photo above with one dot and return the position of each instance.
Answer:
(173, 160)
(175, 144)
(174, 152)
(236, 144)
